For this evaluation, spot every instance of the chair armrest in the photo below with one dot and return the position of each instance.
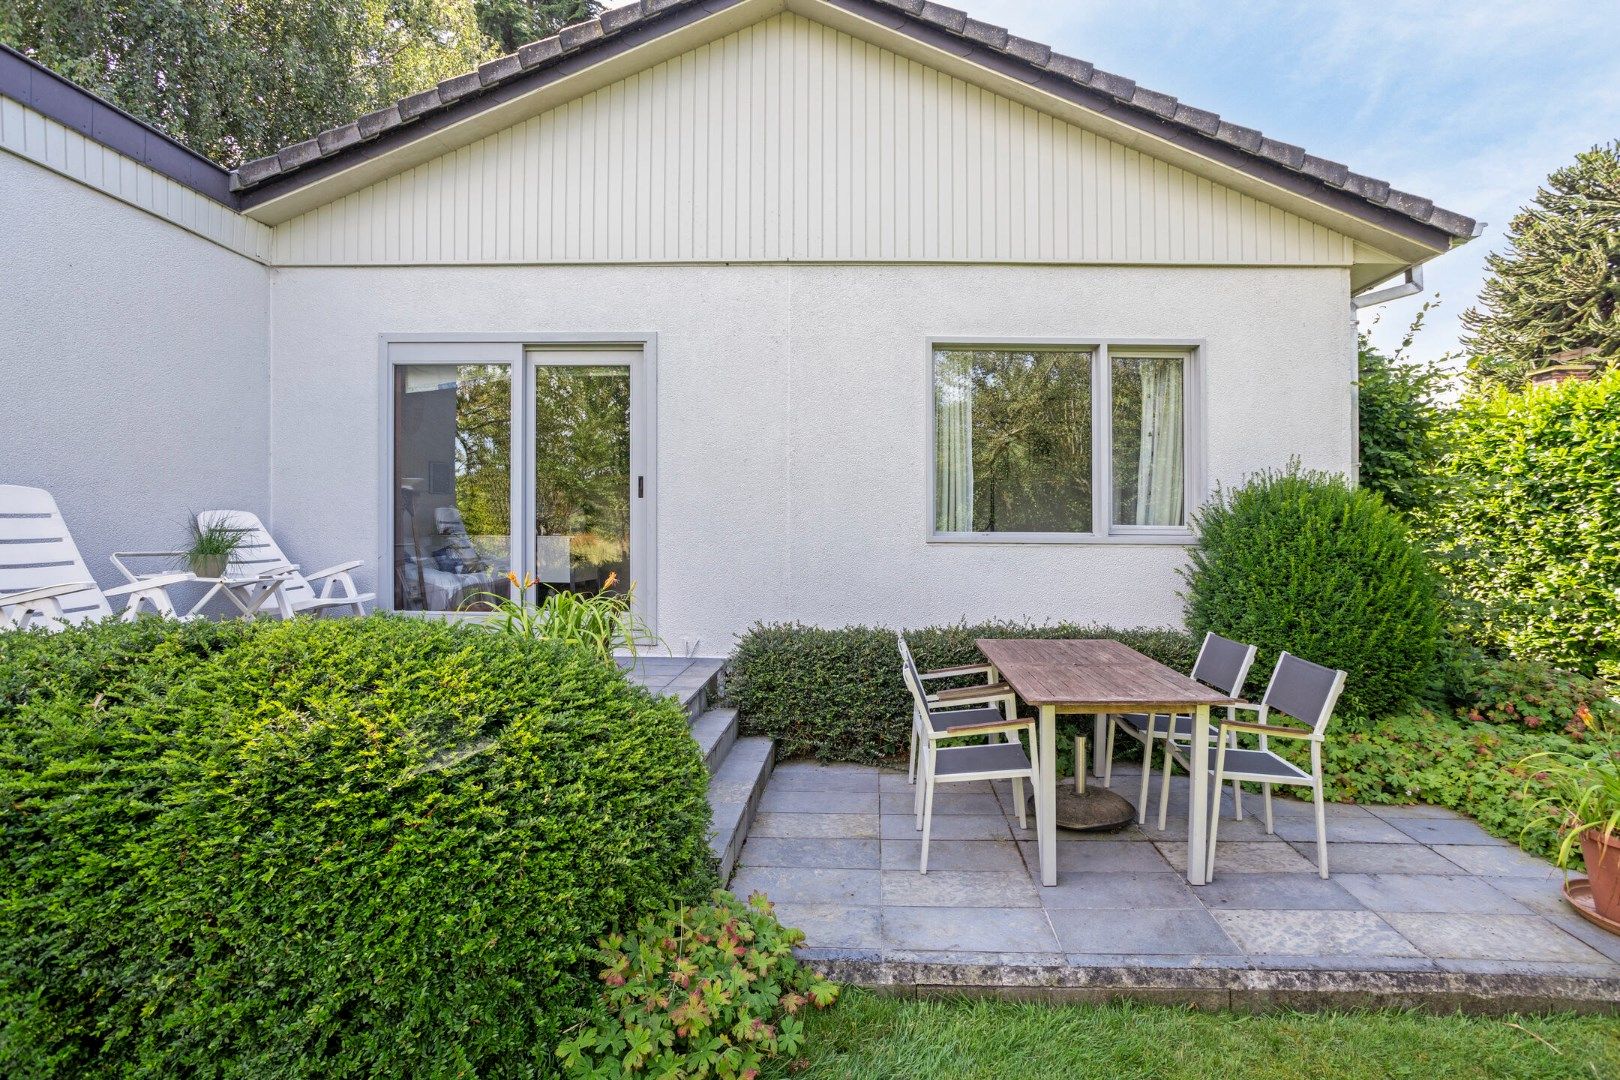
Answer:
(47, 592)
(960, 669)
(342, 568)
(1268, 729)
(987, 726)
(964, 694)
(118, 558)
(155, 583)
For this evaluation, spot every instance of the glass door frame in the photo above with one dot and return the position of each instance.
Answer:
(518, 351)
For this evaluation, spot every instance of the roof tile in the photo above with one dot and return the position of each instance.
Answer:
(256, 171)
(1070, 68)
(1154, 102)
(338, 138)
(580, 34)
(1370, 188)
(940, 15)
(616, 19)
(499, 69)
(1329, 172)
(300, 153)
(1031, 52)
(1109, 83)
(454, 89)
(538, 52)
(1197, 119)
(910, 7)
(1282, 153)
(985, 33)
(375, 123)
(1411, 205)
(1244, 138)
(417, 104)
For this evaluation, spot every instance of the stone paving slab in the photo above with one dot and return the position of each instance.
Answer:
(1423, 907)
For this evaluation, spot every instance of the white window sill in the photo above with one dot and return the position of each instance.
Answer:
(1167, 538)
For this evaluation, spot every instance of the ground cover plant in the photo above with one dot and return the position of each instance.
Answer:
(711, 989)
(964, 1039)
(323, 848)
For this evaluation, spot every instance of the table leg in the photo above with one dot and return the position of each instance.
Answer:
(196, 608)
(1046, 796)
(1099, 744)
(1198, 799)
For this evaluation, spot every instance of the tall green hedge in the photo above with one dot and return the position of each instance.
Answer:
(1299, 561)
(1526, 526)
(377, 847)
(837, 694)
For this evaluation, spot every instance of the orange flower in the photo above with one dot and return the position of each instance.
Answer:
(612, 580)
(511, 575)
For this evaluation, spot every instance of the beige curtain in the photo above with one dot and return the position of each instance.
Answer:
(1161, 464)
(953, 442)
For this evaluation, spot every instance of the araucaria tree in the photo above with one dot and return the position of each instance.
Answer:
(1557, 286)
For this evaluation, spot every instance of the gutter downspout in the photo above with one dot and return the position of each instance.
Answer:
(1411, 285)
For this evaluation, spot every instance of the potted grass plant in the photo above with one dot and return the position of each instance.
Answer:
(213, 544)
(1581, 797)
(601, 622)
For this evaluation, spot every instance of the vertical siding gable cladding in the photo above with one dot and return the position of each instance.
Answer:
(792, 141)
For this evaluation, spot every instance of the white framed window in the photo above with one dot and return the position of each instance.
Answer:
(1080, 441)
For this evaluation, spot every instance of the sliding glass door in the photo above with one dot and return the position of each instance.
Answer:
(517, 459)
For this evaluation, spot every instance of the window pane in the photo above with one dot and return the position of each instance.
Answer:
(582, 478)
(1012, 440)
(452, 485)
(1150, 456)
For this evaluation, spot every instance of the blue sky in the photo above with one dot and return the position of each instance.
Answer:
(1470, 104)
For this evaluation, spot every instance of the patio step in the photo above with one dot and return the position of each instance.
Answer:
(716, 732)
(734, 793)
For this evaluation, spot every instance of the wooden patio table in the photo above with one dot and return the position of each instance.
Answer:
(1102, 677)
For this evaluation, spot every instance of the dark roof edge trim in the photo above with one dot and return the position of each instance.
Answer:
(71, 105)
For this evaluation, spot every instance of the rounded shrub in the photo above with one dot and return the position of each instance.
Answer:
(323, 848)
(1299, 561)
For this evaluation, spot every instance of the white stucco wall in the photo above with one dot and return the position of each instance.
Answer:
(134, 365)
(792, 412)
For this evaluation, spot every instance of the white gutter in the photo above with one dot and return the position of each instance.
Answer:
(1411, 286)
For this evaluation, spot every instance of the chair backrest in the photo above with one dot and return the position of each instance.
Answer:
(36, 550)
(1304, 690)
(912, 676)
(1223, 664)
(259, 552)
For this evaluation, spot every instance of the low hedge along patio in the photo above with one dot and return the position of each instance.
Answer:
(369, 847)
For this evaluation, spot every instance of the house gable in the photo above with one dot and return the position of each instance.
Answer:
(790, 140)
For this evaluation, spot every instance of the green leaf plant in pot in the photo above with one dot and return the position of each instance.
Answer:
(1580, 796)
(213, 543)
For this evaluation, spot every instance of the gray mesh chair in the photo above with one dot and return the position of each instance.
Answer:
(1222, 664)
(988, 693)
(933, 763)
(1300, 691)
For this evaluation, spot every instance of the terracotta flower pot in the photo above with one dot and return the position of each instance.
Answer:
(1603, 870)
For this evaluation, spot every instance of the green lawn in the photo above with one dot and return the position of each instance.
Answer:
(870, 1036)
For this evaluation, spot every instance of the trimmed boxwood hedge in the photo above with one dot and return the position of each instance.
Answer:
(323, 848)
(837, 694)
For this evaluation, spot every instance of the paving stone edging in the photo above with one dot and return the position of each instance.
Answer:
(1215, 987)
